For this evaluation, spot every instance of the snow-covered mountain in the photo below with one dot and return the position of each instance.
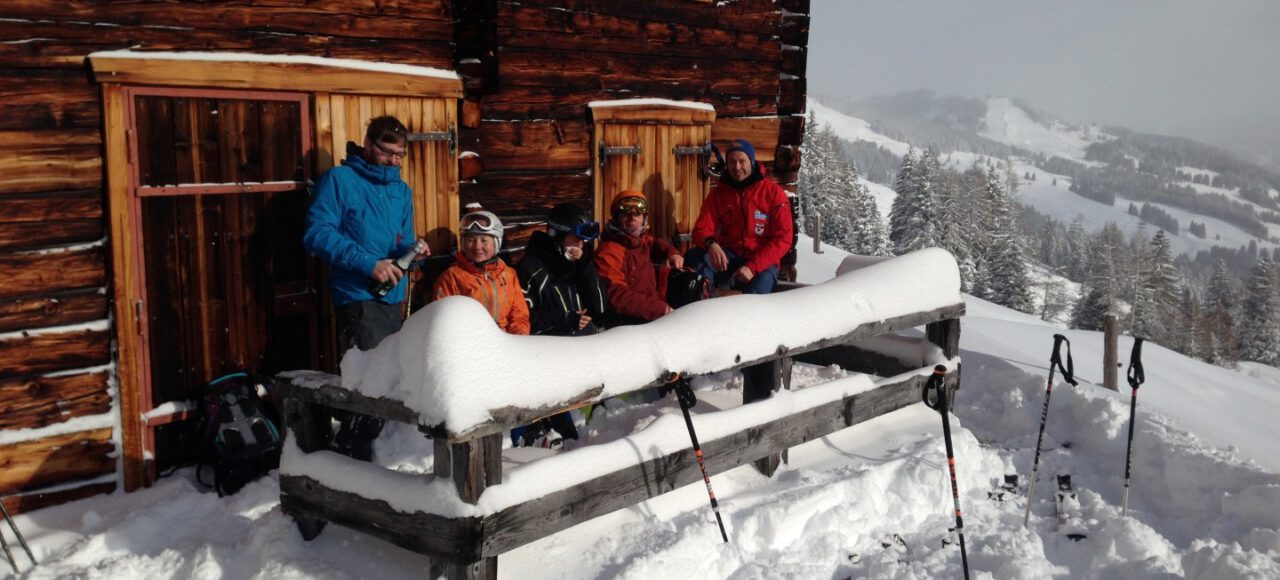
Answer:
(1204, 501)
(1034, 138)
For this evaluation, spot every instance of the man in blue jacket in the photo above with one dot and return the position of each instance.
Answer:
(361, 219)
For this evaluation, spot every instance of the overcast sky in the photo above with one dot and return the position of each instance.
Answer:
(1205, 69)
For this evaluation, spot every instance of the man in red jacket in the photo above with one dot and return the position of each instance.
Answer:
(744, 228)
(626, 260)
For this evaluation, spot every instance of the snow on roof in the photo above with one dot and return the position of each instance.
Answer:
(651, 103)
(452, 365)
(387, 67)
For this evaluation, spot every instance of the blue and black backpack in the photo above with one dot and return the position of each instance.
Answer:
(239, 432)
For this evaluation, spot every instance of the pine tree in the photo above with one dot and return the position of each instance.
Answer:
(1218, 308)
(1008, 282)
(830, 186)
(1187, 325)
(1260, 323)
(1099, 290)
(913, 221)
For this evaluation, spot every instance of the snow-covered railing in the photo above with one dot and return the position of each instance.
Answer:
(464, 384)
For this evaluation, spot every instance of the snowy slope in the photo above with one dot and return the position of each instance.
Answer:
(1205, 500)
(1011, 125)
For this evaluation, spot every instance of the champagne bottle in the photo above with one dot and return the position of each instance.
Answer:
(380, 289)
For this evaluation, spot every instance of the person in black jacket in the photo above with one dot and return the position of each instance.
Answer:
(564, 293)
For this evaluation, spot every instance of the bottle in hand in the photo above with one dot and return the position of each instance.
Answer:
(380, 289)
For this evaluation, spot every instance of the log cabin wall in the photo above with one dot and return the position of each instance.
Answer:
(59, 438)
(531, 68)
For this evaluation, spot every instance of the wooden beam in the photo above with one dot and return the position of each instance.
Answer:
(652, 113)
(131, 351)
(451, 539)
(49, 352)
(330, 393)
(50, 160)
(57, 310)
(29, 274)
(854, 359)
(34, 402)
(53, 460)
(285, 76)
(48, 99)
(31, 501)
(525, 193)
(41, 235)
(562, 102)
(47, 207)
(754, 16)
(545, 145)
(524, 523)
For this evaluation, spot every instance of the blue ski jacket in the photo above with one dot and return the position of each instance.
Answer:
(360, 213)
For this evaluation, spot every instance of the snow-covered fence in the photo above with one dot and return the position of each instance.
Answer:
(464, 384)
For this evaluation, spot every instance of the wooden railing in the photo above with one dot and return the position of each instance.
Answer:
(467, 546)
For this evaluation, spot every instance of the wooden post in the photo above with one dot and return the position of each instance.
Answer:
(309, 425)
(1110, 353)
(758, 383)
(817, 233)
(946, 334)
(474, 465)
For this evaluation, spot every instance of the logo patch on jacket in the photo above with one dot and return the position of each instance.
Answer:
(762, 220)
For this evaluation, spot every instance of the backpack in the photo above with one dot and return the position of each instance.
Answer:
(238, 435)
(686, 287)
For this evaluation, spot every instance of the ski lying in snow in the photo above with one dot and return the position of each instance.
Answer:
(1067, 506)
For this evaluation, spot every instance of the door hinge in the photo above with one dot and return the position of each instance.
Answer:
(606, 151)
(679, 150)
(450, 135)
(137, 316)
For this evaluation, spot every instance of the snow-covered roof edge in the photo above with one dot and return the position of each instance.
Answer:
(347, 63)
(651, 103)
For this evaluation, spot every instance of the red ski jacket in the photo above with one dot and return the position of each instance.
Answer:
(753, 223)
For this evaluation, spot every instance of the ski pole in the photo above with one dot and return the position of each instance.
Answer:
(1068, 374)
(21, 540)
(1136, 378)
(684, 394)
(937, 385)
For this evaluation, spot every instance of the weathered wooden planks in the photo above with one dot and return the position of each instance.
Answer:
(526, 522)
(47, 99)
(53, 351)
(50, 160)
(34, 464)
(33, 402)
(43, 273)
(34, 500)
(547, 145)
(31, 312)
(529, 194)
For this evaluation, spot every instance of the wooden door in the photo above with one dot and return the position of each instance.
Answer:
(218, 185)
(431, 169)
(658, 153)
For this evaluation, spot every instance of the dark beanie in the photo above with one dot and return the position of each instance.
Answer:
(744, 146)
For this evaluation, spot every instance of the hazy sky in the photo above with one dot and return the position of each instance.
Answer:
(1205, 69)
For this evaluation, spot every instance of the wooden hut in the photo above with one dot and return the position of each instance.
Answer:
(155, 157)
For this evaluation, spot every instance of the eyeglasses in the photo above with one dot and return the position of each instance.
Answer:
(635, 204)
(390, 153)
(586, 230)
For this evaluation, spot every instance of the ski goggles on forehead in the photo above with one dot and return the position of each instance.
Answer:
(479, 224)
(587, 231)
(637, 205)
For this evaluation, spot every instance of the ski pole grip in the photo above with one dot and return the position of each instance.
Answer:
(1069, 372)
(934, 383)
(1136, 375)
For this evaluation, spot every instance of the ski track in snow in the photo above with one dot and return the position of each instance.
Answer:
(1203, 505)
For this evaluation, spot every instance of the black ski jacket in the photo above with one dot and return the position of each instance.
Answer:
(556, 289)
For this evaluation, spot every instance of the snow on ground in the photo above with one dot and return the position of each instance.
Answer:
(854, 129)
(1205, 498)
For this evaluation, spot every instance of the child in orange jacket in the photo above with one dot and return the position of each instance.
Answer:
(482, 275)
